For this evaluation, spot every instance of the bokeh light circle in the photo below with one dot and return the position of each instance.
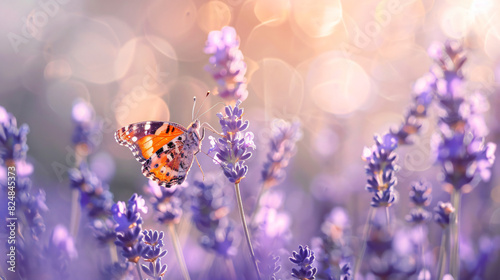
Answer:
(338, 85)
(213, 15)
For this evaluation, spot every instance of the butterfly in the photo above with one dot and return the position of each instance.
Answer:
(165, 149)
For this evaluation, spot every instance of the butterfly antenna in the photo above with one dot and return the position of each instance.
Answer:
(199, 165)
(203, 102)
(194, 105)
(218, 103)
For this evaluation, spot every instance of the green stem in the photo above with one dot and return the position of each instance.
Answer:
(245, 228)
(138, 266)
(75, 213)
(422, 250)
(366, 231)
(112, 252)
(230, 267)
(454, 226)
(257, 205)
(178, 251)
(388, 217)
(442, 260)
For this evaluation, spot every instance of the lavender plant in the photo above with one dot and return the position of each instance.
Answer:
(129, 235)
(210, 208)
(28, 211)
(232, 149)
(333, 253)
(303, 259)
(459, 145)
(167, 207)
(226, 64)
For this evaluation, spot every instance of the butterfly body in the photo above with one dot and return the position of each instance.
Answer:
(166, 150)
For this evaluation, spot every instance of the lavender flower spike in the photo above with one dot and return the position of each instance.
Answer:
(153, 253)
(13, 145)
(381, 170)
(129, 229)
(443, 212)
(304, 259)
(226, 64)
(282, 143)
(420, 195)
(232, 149)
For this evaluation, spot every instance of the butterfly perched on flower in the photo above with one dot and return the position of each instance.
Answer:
(165, 149)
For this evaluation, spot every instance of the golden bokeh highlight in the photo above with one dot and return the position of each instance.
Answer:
(455, 22)
(213, 15)
(95, 64)
(338, 85)
(272, 13)
(58, 69)
(279, 86)
(171, 19)
(317, 18)
(138, 107)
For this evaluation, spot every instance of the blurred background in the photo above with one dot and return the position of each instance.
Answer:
(344, 69)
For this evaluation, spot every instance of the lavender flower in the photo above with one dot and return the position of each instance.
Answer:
(232, 150)
(304, 259)
(331, 247)
(60, 250)
(95, 196)
(129, 229)
(282, 143)
(346, 272)
(226, 64)
(442, 213)
(381, 168)
(13, 145)
(87, 132)
(153, 253)
(268, 265)
(210, 209)
(459, 147)
(422, 98)
(420, 195)
(166, 202)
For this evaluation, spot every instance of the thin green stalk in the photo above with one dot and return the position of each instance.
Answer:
(178, 251)
(442, 260)
(257, 204)
(422, 251)
(245, 228)
(388, 217)
(230, 268)
(138, 266)
(366, 231)
(75, 213)
(112, 252)
(454, 225)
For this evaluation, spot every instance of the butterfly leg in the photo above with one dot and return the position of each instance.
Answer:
(199, 165)
(209, 127)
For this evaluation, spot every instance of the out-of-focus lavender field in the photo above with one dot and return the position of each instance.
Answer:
(365, 118)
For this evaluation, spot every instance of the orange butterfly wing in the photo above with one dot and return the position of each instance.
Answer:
(159, 146)
(145, 138)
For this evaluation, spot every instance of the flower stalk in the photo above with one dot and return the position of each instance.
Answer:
(245, 228)
(178, 251)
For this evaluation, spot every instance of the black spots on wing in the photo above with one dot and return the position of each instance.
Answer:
(159, 152)
(168, 129)
(179, 138)
(156, 165)
(171, 145)
(173, 129)
(168, 173)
